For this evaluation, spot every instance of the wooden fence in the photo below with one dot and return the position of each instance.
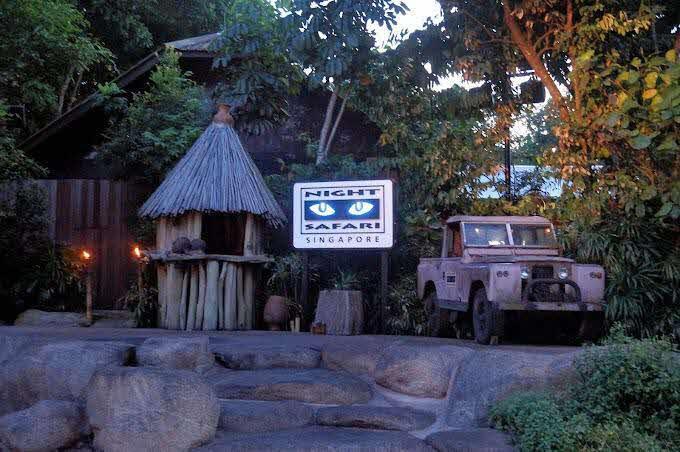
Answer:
(93, 214)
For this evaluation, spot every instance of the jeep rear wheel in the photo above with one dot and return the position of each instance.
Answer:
(487, 320)
(437, 318)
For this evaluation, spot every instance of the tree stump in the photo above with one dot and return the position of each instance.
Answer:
(342, 311)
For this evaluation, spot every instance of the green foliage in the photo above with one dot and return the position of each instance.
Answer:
(404, 313)
(625, 399)
(345, 280)
(33, 271)
(132, 28)
(256, 73)
(143, 303)
(46, 54)
(285, 276)
(159, 125)
(14, 163)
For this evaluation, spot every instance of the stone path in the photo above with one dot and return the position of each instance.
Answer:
(272, 391)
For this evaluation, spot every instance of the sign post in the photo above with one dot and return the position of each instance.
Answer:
(345, 215)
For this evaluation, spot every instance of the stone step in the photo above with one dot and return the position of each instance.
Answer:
(263, 416)
(266, 357)
(472, 440)
(313, 439)
(375, 417)
(304, 385)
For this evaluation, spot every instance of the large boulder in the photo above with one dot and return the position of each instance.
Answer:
(266, 357)
(190, 353)
(35, 317)
(314, 439)
(139, 409)
(353, 357)
(58, 371)
(113, 319)
(375, 417)
(262, 416)
(342, 311)
(12, 346)
(474, 440)
(304, 385)
(495, 373)
(419, 371)
(47, 425)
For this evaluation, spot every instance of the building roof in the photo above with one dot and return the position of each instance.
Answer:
(216, 175)
(498, 219)
(201, 43)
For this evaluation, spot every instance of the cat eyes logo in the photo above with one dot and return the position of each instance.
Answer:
(353, 214)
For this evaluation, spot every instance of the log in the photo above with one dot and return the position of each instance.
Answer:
(230, 298)
(249, 295)
(220, 296)
(240, 301)
(161, 273)
(184, 300)
(193, 298)
(201, 298)
(210, 309)
(174, 294)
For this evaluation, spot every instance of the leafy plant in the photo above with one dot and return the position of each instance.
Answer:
(625, 398)
(158, 126)
(404, 313)
(345, 280)
(285, 276)
(143, 303)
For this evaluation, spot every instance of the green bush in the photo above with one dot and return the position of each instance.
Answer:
(627, 398)
(404, 313)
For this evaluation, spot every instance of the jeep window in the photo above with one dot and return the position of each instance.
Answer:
(486, 234)
(530, 235)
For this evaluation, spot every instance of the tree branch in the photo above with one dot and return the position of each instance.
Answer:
(533, 59)
(321, 151)
(329, 142)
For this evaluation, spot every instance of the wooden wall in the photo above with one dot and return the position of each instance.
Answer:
(93, 214)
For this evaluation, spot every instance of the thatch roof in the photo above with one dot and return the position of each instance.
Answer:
(216, 175)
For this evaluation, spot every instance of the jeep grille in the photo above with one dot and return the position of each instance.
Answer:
(542, 272)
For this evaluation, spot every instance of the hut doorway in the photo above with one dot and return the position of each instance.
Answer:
(224, 233)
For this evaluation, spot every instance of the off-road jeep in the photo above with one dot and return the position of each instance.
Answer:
(491, 267)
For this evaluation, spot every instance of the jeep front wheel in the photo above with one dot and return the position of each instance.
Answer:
(436, 316)
(487, 320)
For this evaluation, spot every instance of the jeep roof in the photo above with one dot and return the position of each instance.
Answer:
(534, 219)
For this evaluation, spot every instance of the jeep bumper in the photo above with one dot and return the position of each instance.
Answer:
(549, 306)
(551, 300)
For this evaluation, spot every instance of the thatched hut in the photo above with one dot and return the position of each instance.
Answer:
(210, 210)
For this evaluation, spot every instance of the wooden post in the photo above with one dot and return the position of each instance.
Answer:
(248, 295)
(201, 297)
(241, 303)
(384, 272)
(173, 296)
(193, 298)
(230, 298)
(89, 318)
(184, 300)
(304, 289)
(220, 296)
(211, 282)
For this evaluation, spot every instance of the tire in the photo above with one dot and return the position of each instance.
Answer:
(591, 327)
(487, 320)
(437, 318)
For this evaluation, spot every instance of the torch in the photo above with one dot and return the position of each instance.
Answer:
(87, 260)
(137, 253)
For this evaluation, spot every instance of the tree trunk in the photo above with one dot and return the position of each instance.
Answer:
(64, 89)
(321, 151)
(329, 142)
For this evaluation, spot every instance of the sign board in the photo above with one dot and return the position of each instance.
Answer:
(344, 215)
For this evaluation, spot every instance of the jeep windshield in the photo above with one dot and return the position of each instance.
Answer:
(533, 235)
(484, 234)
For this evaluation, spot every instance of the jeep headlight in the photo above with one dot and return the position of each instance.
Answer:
(563, 273)
(524, 272)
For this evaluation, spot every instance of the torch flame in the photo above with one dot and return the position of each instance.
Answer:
(86, 255)
(137, 252)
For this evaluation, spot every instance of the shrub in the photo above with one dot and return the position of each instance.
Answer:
(627, 398)
(404, 313)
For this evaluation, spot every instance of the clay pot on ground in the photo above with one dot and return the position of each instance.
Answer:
(276, 312)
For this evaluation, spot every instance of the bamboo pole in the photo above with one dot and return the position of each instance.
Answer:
(230, 301)
(220, 296)
(184, 300)
(174, 293)
(193, 298)
(201, 298)
(210, 310)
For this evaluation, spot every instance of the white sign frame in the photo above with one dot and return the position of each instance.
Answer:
(373, 233)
